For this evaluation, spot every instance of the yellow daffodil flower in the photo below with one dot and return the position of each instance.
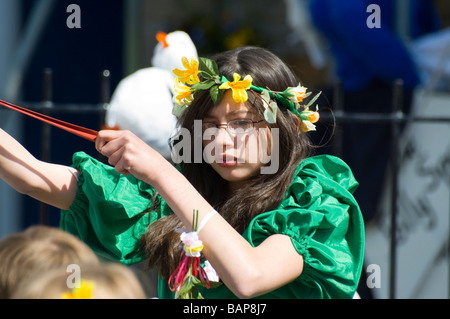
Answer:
(84, 291)
(313, 116)
(238, 87)
(190, 75)
(308, 126)
(299, 93)
(309, 118)
(184, 93)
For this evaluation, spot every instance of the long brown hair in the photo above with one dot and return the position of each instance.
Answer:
(260, 193)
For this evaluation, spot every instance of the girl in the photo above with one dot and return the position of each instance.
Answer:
(295, 233)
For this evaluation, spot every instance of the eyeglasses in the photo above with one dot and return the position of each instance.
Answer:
(241, 126)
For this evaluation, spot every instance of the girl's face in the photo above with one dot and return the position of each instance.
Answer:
(235, 157)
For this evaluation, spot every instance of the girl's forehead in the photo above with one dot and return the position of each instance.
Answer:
(228, 107)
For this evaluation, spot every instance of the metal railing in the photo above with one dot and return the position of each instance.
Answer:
(47, 106)
(397, 118)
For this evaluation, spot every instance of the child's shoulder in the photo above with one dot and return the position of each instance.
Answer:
(327, 168)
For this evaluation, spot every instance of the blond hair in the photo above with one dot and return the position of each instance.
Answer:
(38, 248)
(109, 281)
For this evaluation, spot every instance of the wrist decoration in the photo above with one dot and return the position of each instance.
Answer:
(189, 274)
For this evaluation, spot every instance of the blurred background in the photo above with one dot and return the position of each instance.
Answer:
(351, 51)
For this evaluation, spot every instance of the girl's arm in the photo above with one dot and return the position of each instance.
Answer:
(50, 183)
(247, 271)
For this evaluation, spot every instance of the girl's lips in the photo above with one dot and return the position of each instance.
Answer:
(227, 164)
(227, 161)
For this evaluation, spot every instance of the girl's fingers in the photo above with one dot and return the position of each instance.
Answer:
(104, 137)
(111, 141)
(110, 134)
(123, 167)
(122, 159)
(111, 147)
(113, 156)
(127, 153)
(121, 149)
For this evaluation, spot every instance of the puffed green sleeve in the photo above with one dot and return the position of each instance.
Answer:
(109, 211)
(324, 222)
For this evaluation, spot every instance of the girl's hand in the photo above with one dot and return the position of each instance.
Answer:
(129, 154)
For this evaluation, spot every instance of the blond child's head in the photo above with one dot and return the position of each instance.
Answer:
(35, 249)
(100, 281)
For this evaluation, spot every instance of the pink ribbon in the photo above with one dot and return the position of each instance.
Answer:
(177, 278)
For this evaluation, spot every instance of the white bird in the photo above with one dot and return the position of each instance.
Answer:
(143, 101)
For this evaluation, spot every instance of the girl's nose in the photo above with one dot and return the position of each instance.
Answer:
(224, 137)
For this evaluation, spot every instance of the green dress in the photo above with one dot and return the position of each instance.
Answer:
(318, 213)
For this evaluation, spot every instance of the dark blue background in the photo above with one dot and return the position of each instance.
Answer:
(77, 58)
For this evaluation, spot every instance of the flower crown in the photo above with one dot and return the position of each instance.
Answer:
(188, 83)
